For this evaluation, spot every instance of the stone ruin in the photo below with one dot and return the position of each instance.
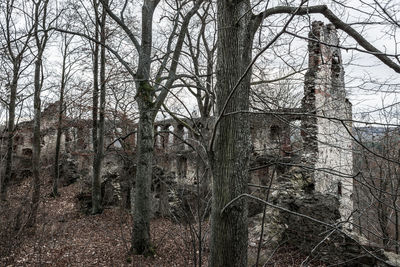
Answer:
(303, 155)
(311, 200)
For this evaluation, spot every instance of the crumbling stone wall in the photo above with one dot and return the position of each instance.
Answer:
(315, 196)
(177, 149)
(327, 143)
(308, 220)
(271, 133)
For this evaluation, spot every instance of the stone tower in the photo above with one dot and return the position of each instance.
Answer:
(327, 123)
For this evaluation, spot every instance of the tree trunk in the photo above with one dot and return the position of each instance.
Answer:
(10, 132)
(141, 217)
(396, 225)
(96, 185)
(95, 97)
(36, 144)
(145, 93)
(58, 145)
(230, 160)
(59, 125)
(164, 204)
(40, 16)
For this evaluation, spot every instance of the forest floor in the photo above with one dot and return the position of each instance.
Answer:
(65, 236)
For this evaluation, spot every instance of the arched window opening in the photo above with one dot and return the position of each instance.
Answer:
(339, 188)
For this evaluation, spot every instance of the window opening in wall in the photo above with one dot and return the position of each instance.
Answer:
(178, 138)
(90, 135)
(135, 138)
(170, 135)
(186, 136)
(158, 137)
(296, 136)
(182, 166)
(336, 64)
(275, 133)
(67, 137)
(27, 152)
(19, 140)
(164, 136)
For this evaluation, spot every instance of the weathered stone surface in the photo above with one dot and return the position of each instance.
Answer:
(111, 179)
(333, 246)
(274, 229)
(69, 172)
(327, 143)
(392, 258)
(316, 239)
(310, 224)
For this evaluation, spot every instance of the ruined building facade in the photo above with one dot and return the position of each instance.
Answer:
(323, 148)
(327, 124)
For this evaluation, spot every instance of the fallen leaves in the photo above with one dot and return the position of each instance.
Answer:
(64, 236)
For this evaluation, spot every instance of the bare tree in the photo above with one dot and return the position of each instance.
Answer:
(65, 76)
(148, 108)
(14, 45)
(230, 150)
(99, 139)
(41, 37)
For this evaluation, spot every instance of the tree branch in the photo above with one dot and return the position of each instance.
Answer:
(112, 51)
(122, 25)
(339, 24)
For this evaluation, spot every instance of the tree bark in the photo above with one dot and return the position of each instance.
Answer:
(163, 203)
(36, 145)
(96, 185)
(145, 93)
(95, 97)
(10, 131)
(230, 160)
(141, 226)
(60, 122)
(38, 82)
